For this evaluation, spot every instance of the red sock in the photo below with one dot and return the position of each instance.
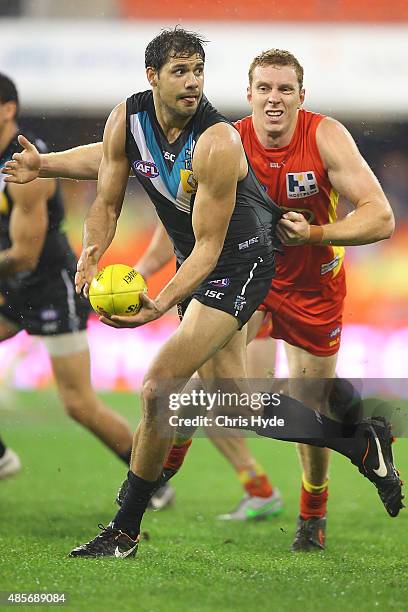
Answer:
(176, 455)
(258, 486)
(313, 505)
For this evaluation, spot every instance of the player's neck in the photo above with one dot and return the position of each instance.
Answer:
(7, 134)
(171, 123)
(273, 140)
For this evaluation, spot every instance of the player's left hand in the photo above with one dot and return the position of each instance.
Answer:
(293, 229)
(148, 312)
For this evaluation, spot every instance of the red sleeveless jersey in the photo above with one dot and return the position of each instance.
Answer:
(295, 178)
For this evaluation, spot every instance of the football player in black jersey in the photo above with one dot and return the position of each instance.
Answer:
(37, 267)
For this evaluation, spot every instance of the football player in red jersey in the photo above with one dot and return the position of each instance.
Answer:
(305, 161)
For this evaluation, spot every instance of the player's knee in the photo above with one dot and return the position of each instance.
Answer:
(150, 393)
(155, 394)
(77, 407)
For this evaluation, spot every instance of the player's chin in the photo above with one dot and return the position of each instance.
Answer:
(187, 110)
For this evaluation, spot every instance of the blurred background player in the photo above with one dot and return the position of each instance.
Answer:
(37, 267)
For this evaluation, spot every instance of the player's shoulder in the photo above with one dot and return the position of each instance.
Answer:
(206, 117)
(116, 123)
(139, 101)
(329, 127)
(334, 141)
(220, 136)
(218, 147)
(243, 125)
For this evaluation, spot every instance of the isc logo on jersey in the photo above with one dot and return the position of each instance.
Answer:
(301, 184)
(147, 169)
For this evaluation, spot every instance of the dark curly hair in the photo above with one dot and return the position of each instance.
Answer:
(172, 43)
(8, 91)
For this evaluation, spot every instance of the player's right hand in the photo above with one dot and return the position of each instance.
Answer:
(25, 166)
(87, 267)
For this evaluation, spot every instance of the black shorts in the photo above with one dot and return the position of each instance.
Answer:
(46, 308)
(238, 286)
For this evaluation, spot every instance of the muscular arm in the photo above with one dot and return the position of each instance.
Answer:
(80, 163)
(216, 166)
(101, 220)
(28, 227)
(158, 253)
(349, 174)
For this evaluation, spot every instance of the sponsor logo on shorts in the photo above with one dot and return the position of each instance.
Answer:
(49, 314)
(335, 332)
(331, 265)
(248, 243)
(220, 282)
(301, 184)
(210, 293)
(239, 303)
(148, 169)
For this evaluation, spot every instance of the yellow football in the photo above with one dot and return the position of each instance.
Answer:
(116, 290)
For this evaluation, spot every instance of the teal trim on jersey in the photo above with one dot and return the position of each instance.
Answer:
(170, 178)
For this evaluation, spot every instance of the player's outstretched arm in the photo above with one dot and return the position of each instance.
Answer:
(28, 227)
(158, 253)
(81, 163)
(101, 220)
(371, 221)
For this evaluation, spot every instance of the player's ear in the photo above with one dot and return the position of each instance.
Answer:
(249, 94)
(10, 109)
(302, 97)
(151, 76)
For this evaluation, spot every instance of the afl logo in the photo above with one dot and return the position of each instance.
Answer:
(147, 169)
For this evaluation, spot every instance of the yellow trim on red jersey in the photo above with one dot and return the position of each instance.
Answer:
(338, 251)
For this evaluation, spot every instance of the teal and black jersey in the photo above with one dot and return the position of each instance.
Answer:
(43, 300)
(165, 172)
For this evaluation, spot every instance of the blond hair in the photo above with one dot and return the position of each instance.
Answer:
(276, 57)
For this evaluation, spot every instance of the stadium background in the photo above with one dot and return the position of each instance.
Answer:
(74, 61)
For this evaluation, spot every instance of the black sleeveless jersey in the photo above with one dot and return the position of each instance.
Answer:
(56, 252)
(165, 172)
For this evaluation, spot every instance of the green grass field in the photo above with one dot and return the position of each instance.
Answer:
(189, 561)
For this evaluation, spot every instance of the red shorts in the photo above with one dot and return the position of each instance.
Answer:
(311, 320)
